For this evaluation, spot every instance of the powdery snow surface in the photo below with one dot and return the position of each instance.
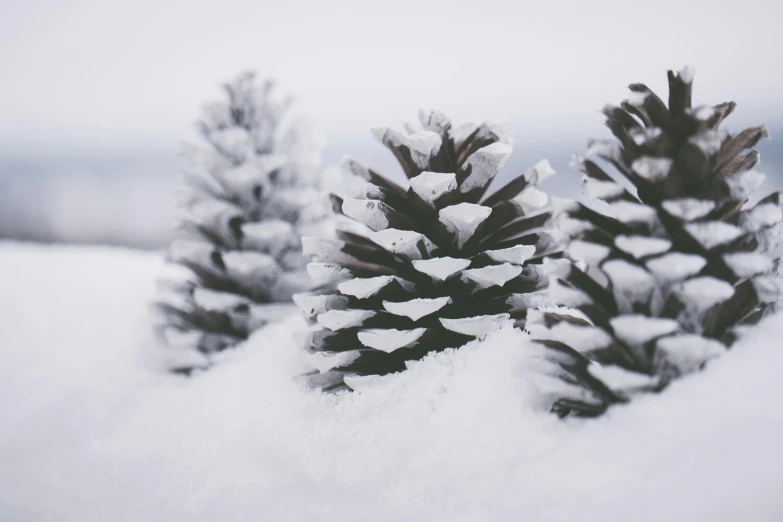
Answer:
(92, 429)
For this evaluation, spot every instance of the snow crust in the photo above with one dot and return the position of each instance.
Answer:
(92, 428)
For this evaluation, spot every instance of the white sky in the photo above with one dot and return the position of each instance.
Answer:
(130, 73)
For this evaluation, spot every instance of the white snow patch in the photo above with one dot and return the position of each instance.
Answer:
(687, 352)
(688, 209)
(651, 168)
(484, 164)
(389, 340)
(747, 264)
(746, 182)
(441, 268)
(369, 212)
(432, 185)
(338, 319)
(676, 266)
(704, 292)
(92, 429)
(633, 212)
(587, 251)
(638, 329)
(642, 246)
(463, 219)
(711, 234)
(403, 242)
(517, 254)
(478, 326)
(416, 308)
(364, 287)
(493, 275)
(322, 273)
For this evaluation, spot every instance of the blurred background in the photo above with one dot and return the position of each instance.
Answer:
(97, 96)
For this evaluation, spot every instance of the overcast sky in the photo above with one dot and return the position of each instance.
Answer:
(124, 74)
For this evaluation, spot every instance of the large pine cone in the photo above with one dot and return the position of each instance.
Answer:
(441, 263)
(675, 261)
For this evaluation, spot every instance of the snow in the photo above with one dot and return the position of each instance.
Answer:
(484, 164)
(744, 183)
(704, 292)
(478, 326)
(629, 212)
(688, 209)
(642, 246)
(322, 273)
(709, 142)
(463, 219)
(638, 329)
(339, 319)
(432, 185)
(416, 308)
(369, 286)
(686, 74)
(587, 251)
(688, 352)
(422, 145)
(93, 429)
(711, 234)
(441, 268)
(403, 242)
(493, 275)
(747, 264)
(651, 168)
(676, 266)
(369, 212)
(389, 340)
(517, 254)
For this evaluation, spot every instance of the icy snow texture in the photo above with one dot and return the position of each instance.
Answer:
(91, 429)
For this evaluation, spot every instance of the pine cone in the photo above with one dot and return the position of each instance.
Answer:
(441, 263)
(248, 196)
(664, 276)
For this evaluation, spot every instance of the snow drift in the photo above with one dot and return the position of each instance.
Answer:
(93, 428)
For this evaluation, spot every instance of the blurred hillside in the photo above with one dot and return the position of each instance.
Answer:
(128, 198)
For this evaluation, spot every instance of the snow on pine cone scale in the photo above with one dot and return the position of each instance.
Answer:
(675, 264)
(248, 196)
(441, 264)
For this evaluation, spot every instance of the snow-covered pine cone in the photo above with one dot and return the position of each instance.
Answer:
(441, 264)
(675, 262)
(248, 195)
